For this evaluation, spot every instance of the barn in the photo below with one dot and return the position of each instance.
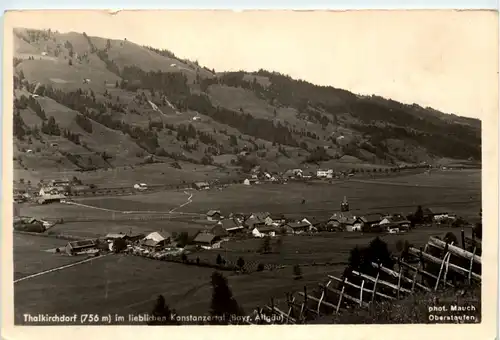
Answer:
(81, 247)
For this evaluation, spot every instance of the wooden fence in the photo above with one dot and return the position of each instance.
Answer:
(438, 265)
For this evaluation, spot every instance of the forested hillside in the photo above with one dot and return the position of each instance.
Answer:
(106, 103)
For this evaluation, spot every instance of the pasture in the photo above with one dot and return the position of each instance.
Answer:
(128, 284)
(31, 255)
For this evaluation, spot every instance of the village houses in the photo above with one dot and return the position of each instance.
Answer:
(258, 219)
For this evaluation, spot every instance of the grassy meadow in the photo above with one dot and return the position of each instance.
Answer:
(129, 284)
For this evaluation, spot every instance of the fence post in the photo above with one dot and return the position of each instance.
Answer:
(462, 235)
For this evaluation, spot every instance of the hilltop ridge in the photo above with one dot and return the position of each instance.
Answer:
(108, 103)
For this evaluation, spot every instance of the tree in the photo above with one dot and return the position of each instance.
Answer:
(240, 263)
(223, 304)
(184, 257)
(260, 267)
(182, 239)
(450, 238)
(297, 272)
(419, 215)
(218, 260)
(161, 313)
(355, 258)
(119, 245)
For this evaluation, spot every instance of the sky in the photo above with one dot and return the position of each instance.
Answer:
(447, 60)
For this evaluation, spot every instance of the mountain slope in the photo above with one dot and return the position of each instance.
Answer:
(121, 102)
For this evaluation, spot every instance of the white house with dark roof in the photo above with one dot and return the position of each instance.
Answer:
(214, 215)
(156, 240)
(264, 230)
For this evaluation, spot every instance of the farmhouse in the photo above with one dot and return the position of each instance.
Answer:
(156, 240)
(231, 225)
(29, 224)
(278, 218)
(51, 194)
(113, 236)
(395, 221)
(370, 220)
(263, 231)
(141, 186)
(60, 182)
(298, 227)
(441, 216)
(81, 247)
(214, 215)
(201, 186)
(322, 173)
(258, 219)
(292, 173)
(206, 240)
(341, 218)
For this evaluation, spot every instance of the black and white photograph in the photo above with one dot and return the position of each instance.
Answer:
(188, 168)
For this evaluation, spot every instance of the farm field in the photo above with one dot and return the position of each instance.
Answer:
(97, 229)
(461, 195)
(332, 248)
(30, 255)
(152, 174)
(129, 284)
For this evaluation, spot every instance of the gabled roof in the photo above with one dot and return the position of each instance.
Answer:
(427, 211)
(277, 216)
(396, 218)
(204, 237)
(372, 218)
(260, 215)
(213, 212)
(343, 217)
(82, 244)
(115, 235)
(230, 224)
(298, 224)
(158, 236)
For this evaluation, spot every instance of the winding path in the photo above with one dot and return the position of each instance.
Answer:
(172, 211)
